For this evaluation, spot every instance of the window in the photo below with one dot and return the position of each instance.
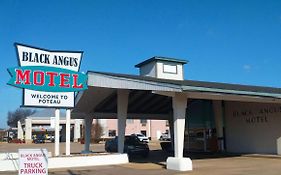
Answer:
(112, 133)
(170, 68)
(130, 121)
(143, 132)
(143, 122)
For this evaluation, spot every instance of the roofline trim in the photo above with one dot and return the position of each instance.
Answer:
(157, 85)
(179, 86)
(159, 58)
(204, 89)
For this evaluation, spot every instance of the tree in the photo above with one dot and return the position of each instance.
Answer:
(18, 114)
(96, 132)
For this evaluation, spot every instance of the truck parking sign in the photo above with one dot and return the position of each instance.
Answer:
(33, 162)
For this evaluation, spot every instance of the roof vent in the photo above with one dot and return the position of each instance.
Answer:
(162, 67)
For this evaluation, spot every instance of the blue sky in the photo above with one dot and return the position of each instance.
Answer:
(225, 41)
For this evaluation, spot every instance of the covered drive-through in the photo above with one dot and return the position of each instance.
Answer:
(119, 96)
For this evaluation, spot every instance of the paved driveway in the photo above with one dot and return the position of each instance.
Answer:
(75, 147)
(207, 164)
(217, 166)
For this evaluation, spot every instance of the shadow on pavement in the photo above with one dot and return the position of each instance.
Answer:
(159, 157)
(155, 156)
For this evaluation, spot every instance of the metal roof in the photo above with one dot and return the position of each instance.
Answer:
(122, 81)
(203, 86)
(46, 113)
(151, 97)
(140, 102)
(159, 58)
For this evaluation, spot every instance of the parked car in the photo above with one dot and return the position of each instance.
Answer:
(52, 139)
(165, 137)
(142, 137)
(7, 139)
(132, 146)
(48, 137)
(39, 139)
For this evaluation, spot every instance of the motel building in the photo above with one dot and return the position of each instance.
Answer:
(200, 115)
(233, 118)
(42, 123)
(153, 129)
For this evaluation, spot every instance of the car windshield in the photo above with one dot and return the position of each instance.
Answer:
(132, 140)
(129, 140)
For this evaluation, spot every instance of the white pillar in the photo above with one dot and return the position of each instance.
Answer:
(28, 130)
(67, 141)
(122, 107)
(278, 144)
(218, 113)
(179, 109)
(77, 126)
(171, 130)
(88, 126)
(57, 132)
(149, 129)
(20, 131)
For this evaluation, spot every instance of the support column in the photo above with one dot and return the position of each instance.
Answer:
(171, 130)
(57, 132)
(20, 131)
(28, 130)
(122, 107)
(179, 110)
(88, 121)
(77, 127)
(218, 113)
(149, 129)
(67, 141)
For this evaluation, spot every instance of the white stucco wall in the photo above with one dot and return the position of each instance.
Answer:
(252, 127)
(148, 70)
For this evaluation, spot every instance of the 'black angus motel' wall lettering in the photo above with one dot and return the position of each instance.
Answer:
(260, 115)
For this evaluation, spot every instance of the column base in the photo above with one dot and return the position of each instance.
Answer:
(28, 141)
(86, 152)
(179, 164)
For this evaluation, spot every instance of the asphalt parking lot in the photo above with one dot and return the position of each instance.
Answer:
(220, 166)
(156, 162)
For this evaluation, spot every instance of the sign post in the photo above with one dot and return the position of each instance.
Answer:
(57, 132)
(67, 141)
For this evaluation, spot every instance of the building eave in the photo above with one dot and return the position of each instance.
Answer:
(159, 58)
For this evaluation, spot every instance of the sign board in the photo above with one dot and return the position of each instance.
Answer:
(48, 78)
(33, 162)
